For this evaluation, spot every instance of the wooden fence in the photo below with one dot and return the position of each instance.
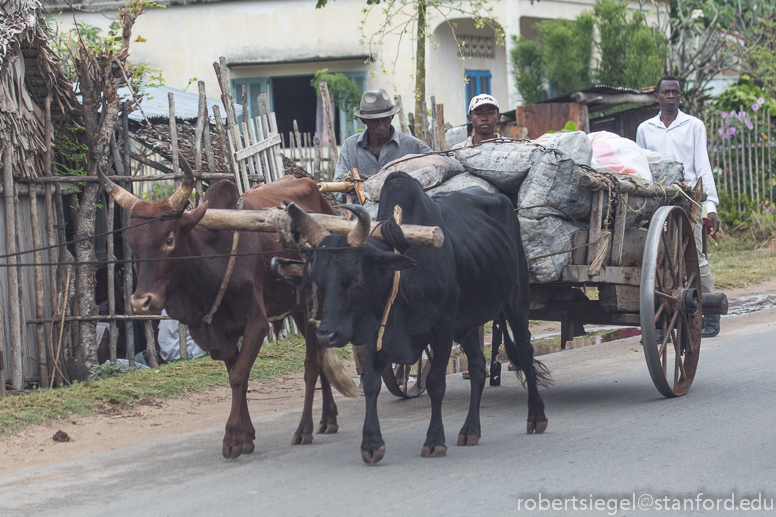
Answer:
(740, 145)
(39, 315)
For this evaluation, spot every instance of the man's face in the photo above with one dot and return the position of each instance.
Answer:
(379, 128)
(484, 119)
(669, 96)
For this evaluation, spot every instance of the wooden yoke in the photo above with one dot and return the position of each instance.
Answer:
(266, 221)
(359, 186)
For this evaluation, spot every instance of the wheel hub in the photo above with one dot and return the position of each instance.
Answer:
(690, 300)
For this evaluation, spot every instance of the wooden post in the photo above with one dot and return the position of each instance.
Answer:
(741, 169)
(752, 178)
(760, 144)
(327, 115)
(223, 140)
(39, 312)
(298, 141)
(441, 126)
(211, 160)
(434, 126)
(317, 163)
(14, 316)
(129, 328)
(770, 164)
(245, 115)
(2, 363)
(723, 146)
(402, 121)
(411, 126)
(182, 341)
(150, 343)
(113, 332)
(596, 220)
(199, 132)
(49, 200)
(424, 123)
(173, 133)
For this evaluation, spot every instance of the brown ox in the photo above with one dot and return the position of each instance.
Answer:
(253, 298)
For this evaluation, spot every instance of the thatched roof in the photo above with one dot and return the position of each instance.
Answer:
(29, 71)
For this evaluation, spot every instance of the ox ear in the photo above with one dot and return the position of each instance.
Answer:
(392, 261)
(190, 219)
(288, 269)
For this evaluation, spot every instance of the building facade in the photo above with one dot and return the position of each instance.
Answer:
(276, 46)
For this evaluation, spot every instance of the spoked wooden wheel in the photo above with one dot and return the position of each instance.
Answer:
(670, 307)
(408, 380)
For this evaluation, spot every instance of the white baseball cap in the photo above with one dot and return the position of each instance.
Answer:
(481, 100)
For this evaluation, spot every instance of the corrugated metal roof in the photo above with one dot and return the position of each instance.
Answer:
(156, 105)
(599, 88)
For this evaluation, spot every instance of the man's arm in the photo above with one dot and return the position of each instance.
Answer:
(343, 162)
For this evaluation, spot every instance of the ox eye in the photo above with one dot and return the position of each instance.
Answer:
(169, 241)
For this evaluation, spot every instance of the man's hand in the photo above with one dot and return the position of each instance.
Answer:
(713, 222)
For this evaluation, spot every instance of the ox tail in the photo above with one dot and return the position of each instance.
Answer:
(543, 377)
(336, 374)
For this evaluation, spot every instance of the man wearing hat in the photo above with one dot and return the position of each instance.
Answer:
(371, 150)
(483, 116)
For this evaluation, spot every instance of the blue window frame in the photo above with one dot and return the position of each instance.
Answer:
(255, 85)
(478, 83)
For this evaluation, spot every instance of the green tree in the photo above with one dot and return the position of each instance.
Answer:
(344, 91)
(567, 49)
(611, 20)
(526, 60)
(411, 18)
(631, 53)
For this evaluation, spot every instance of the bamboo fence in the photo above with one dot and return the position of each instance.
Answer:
(740, 144)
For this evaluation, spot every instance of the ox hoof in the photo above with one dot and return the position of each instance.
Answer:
(468, 439)
(373, 456)
(536, 427)
(434, 451)
(248, 447)
(231, 453)
(328, 428)
(302, 439)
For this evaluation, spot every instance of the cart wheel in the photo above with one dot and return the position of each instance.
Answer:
(408, 380)
(670, 302)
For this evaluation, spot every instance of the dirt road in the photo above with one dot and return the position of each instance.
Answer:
(141, 423)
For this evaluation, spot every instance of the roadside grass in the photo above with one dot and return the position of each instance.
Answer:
(168, 381)
(740, 260)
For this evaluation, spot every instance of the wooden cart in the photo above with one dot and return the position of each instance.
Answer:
(648, 277)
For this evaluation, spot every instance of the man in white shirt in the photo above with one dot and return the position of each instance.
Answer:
(682, 137)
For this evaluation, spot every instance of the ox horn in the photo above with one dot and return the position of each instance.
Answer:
(181, 196)
(305, 225)
(124, 198)
(358, 235)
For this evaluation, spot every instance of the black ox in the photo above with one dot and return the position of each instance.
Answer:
(445, 294)
(254, 297)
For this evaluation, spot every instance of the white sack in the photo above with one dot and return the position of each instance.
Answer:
(617, 155)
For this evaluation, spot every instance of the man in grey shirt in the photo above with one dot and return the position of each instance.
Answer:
(380, 143)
